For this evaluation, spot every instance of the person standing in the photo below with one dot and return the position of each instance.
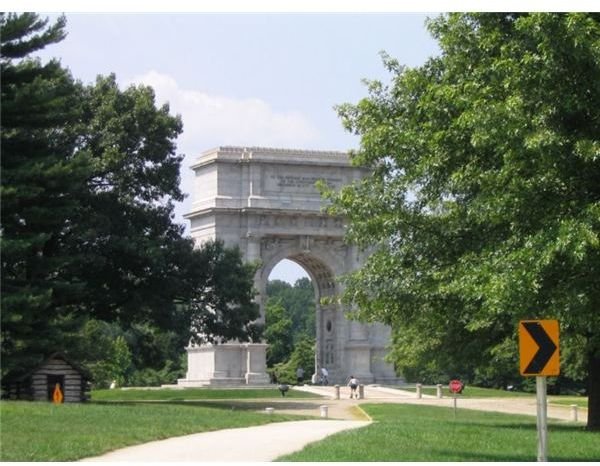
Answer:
(300, 375)
(353, 384)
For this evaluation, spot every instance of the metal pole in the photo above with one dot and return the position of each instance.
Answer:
(454, 403)
(542, 418)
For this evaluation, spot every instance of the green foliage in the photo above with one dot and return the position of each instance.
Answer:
(290, 327)
(151, 377)
(278, 334)
(483, 200)
(299, 303)
(43, 179)
(218, 294)
(120, 361)
(89, 176)
(156, 356)
(302, 356)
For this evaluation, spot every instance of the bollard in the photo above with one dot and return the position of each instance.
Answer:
(574, 413)
(361, 392)
(270, 410)
(337, 392)
(439, 390)
(419, 394)
(324, 409)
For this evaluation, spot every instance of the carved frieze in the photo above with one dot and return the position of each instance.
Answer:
(283, 221)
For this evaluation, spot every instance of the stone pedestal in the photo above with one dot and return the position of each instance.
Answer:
(225, 365)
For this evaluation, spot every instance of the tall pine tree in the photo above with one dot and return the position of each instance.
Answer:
(43, 177)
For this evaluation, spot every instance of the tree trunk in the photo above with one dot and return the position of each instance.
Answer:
(593, 422)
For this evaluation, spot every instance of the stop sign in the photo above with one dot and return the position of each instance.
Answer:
(455, 386)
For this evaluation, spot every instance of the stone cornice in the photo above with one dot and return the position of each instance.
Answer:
(240, 154)
(276, 150)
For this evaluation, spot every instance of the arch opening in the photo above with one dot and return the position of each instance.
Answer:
(300, 328)
(290, 323)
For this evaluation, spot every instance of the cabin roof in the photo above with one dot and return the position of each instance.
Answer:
(56, 355)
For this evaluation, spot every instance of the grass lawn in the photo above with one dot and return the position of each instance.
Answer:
(168, 394)
(425, 433)
(35, 431)
(580, 401)
(469, 392)
(477, 392)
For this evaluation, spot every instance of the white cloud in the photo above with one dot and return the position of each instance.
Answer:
(213, 120)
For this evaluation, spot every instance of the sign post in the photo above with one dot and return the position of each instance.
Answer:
(455, 387)
(542, 418)
(539, 357)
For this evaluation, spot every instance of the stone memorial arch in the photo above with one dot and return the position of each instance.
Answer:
(265, 201)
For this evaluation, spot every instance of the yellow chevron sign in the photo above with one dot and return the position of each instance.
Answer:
(539, 347)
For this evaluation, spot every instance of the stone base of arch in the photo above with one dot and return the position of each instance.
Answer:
(228, 364)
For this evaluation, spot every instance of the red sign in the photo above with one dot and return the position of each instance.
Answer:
(456, 386)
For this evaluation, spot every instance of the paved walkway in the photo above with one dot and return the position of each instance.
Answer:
(268, 442)
(261, 443)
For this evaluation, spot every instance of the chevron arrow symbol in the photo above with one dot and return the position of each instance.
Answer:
(545, 351)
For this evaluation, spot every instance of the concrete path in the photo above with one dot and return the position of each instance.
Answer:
(261, 443)
(268, 442)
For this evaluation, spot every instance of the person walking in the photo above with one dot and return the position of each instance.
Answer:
(353, 384)
(324, 376)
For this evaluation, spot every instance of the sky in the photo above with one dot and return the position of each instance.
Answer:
(254, 79)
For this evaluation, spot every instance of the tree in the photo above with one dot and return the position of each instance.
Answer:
(278, 333)
(89, 176)
(43, 178)
(290, 320)
(299, 303)
(218, 295)
(303, 356)
(120, 361)
(483, 203)
(156, 356)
